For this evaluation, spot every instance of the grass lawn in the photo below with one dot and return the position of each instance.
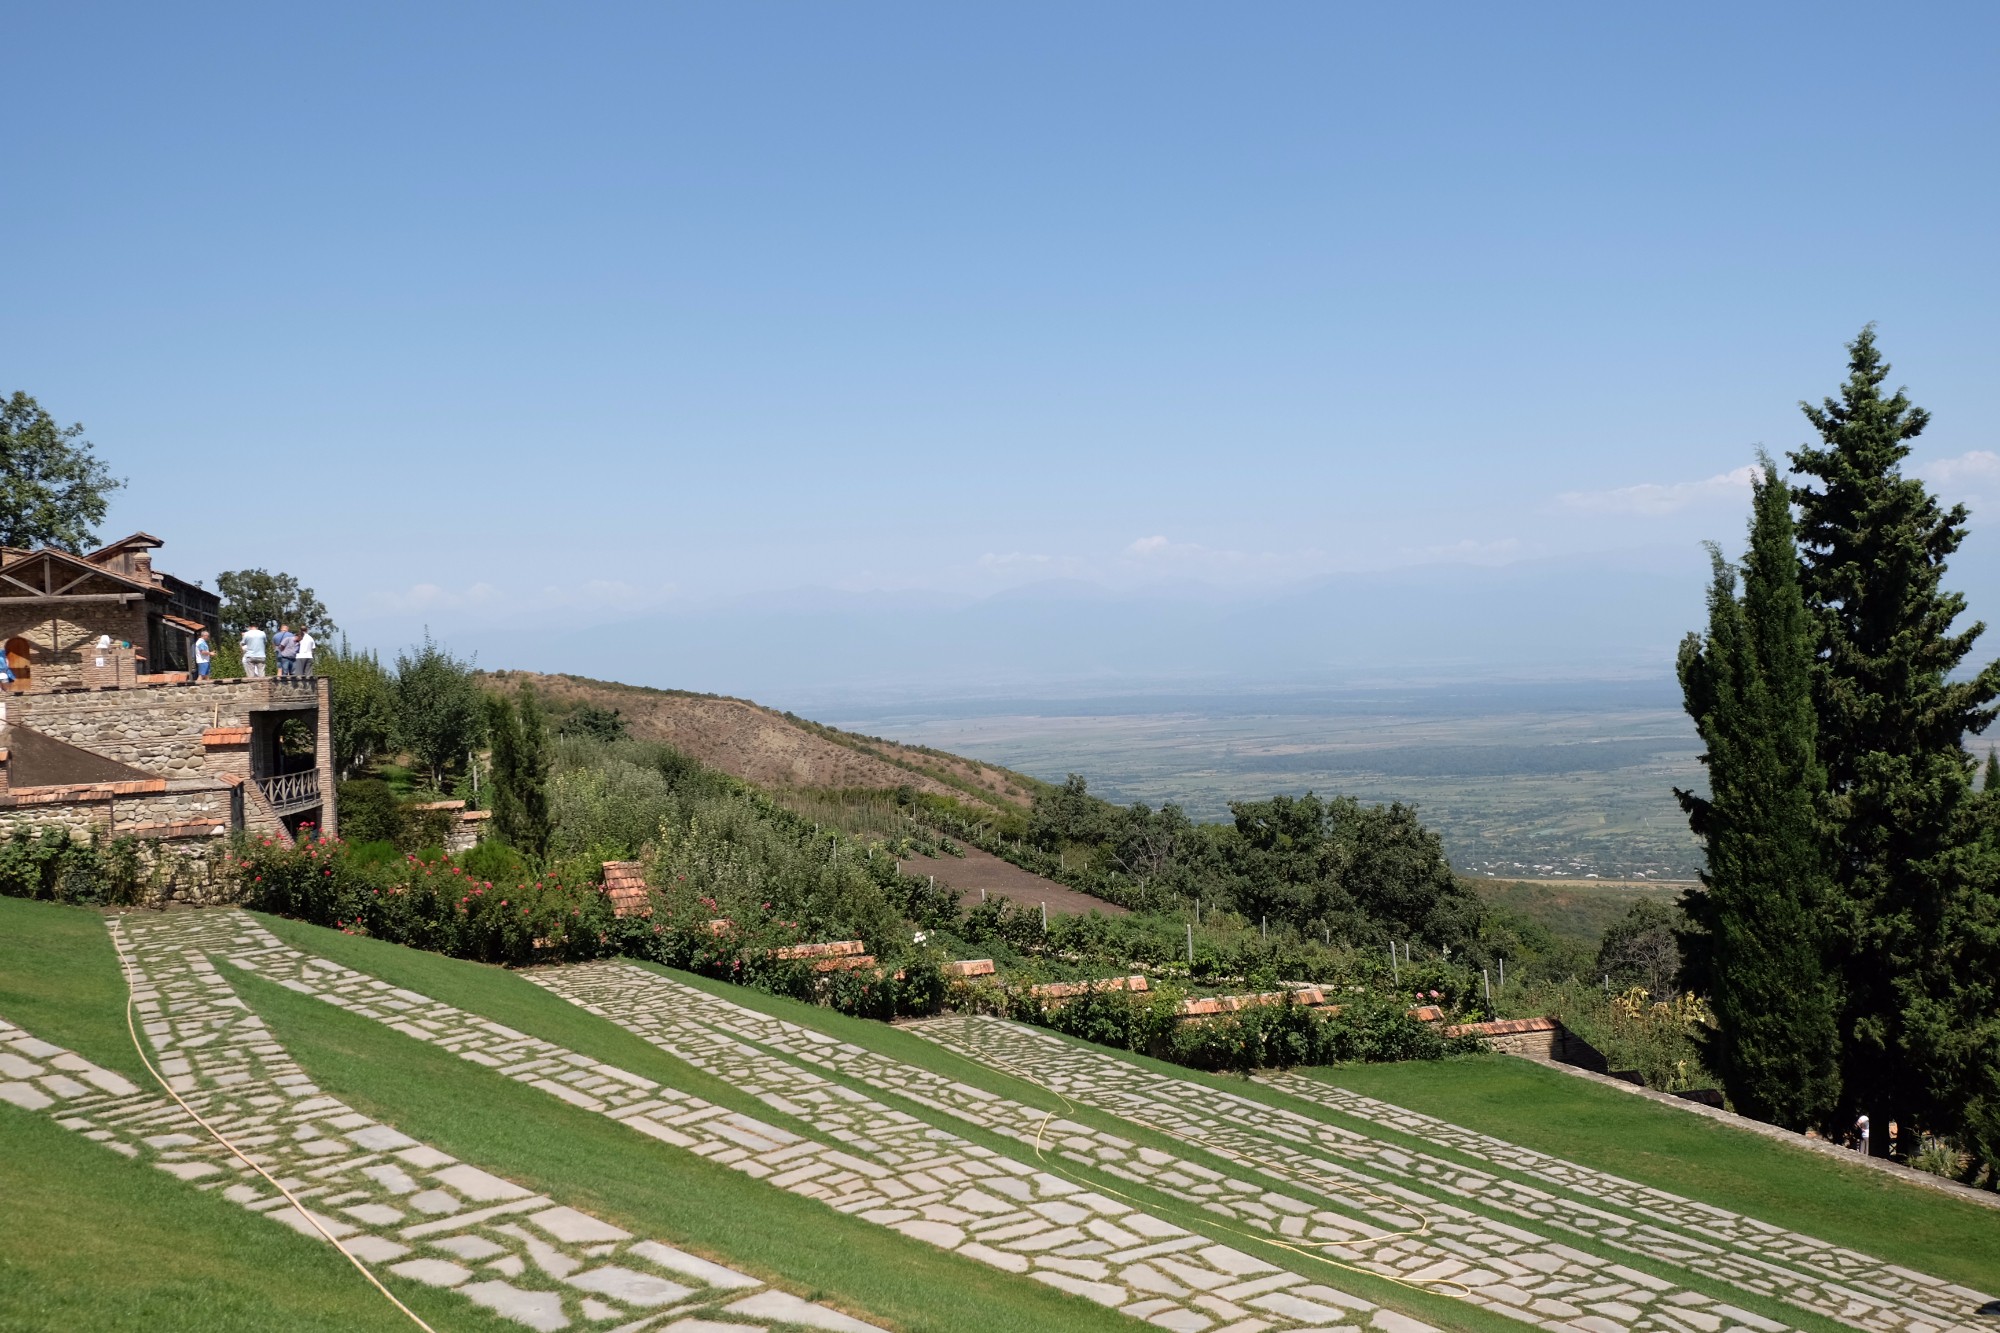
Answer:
(93, 1241)
(89, 1239)
(500, 995)
(1569, 1117)
(1516, 1100)
(907, 1046)
(589, 1161)
(59, 979)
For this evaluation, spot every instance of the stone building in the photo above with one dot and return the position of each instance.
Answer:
(103, 733)
(107, 618)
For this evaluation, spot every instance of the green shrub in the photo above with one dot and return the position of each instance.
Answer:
(369, 811)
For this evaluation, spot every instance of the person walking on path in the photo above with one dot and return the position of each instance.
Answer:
(204, 656)
(253, 652)
(288, 651)
(304, 656)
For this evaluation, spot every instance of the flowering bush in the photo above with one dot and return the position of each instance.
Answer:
(432, 902)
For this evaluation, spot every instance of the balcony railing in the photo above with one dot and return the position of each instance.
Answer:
(291, 792)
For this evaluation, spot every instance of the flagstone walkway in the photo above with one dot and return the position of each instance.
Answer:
(394, 1203)
(1708, 1243)
(1381, 1227)
(891, 1169)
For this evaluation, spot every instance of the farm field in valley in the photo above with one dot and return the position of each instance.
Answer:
(612, 1145)
(1522, 781)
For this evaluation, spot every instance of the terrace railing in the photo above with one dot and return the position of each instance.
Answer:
(291, 792)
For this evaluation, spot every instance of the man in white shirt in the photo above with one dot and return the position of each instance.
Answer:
(253, 652)
(1861, 1134)
(305, 654)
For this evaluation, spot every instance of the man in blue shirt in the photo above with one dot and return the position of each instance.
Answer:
(288, 651)
(204, 655)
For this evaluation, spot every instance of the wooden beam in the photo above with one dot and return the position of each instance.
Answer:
(41, 600)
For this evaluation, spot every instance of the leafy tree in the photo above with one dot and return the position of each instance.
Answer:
(53, 488)
(593, 723)
(364, 706)
(1757, 946)
(259, 597)
(520, 787)
(438, 712)
(1639, 949)
(1066, 814)
(1892, 722)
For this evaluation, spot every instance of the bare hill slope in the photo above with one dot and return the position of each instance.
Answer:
(775, 749)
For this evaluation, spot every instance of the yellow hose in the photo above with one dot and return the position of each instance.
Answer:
(217, 1135)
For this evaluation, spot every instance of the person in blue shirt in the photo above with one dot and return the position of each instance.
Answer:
(287, 644)
(204, 655)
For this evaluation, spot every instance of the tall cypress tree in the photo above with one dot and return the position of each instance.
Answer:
(520, 787)
(1892, 724)
(1756, 944)
(531, 777)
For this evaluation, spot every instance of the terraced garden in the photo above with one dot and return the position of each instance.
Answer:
(612, 1145)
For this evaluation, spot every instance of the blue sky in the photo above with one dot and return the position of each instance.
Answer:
(785, 348)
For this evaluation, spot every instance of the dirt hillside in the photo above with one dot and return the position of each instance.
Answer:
(775, 749)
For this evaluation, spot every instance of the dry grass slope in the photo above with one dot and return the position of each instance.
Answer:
(774, 749)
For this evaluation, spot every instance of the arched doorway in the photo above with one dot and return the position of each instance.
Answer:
(18, 662)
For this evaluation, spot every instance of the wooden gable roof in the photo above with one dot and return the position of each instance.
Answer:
(49, 575)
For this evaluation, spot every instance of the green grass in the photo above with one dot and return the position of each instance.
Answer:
(1577, 913)
(589, 1161)
(89, 1239)
(1692, 1155)
(93, 1241)
(59, 979)
(506, 998)
(915, 1050)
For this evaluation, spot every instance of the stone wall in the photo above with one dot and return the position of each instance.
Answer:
(83, 818)
(180, 806)
(158, 728)
(192, 731)
(63, 637)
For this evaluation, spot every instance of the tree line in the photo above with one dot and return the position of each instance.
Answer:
(1848, 931)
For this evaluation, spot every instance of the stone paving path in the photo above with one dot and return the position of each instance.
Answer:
(394, 1203)
(1930, 1300)
(1382, 1227)
(890, 1169)
(1715, 1245)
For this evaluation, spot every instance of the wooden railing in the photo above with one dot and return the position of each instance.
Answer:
(291, 791)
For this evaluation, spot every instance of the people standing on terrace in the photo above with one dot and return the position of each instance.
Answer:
(254, 652)
(204, 656)
(304, 656)
(288, 651)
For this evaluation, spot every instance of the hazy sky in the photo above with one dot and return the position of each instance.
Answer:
(518, 321)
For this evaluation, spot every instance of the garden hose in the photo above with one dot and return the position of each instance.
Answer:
(132, 1028)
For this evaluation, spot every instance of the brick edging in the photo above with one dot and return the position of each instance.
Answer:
(1847, 1156)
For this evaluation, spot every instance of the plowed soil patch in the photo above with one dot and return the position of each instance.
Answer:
(1003, 879)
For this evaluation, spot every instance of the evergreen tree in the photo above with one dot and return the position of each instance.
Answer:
(518, 793)
(531, 777)
(1755, 943)
(1892, 724)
